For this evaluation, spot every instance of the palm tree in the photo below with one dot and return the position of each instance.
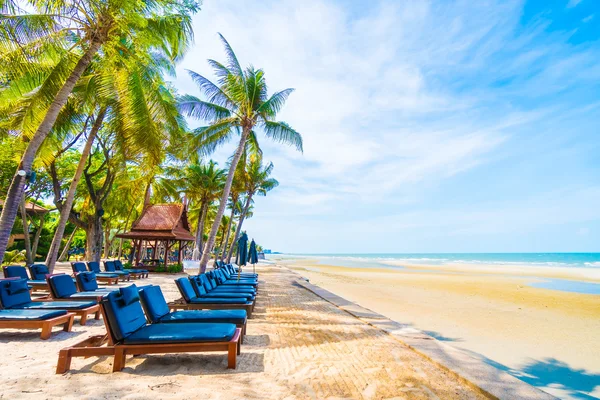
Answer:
(257, 182)
(236, 205)
(239, 103)
(203, 184)
(74, 32)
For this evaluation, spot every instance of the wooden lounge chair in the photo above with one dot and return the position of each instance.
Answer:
(128, 333)
(36, 319)
(212, 285)
(87, 282)
(193, 302)
(119, 267)
(109, 266)
(12, 297)
(17, 271)
(94, 266)
(204, 292)
(62, 288)
(110, 279)
(157, 311)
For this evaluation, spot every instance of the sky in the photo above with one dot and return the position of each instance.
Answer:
(428, 126)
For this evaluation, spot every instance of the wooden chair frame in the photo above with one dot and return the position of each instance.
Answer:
(95, 346)
(46, 324)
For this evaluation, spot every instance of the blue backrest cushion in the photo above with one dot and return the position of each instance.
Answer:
(87, 281)
(109, 266)
(94, 266)
(154, 303)
(62, 285)
(123, 319)
(205, 282)
(185, 288)
(38, 272)
(225, 272)
(15, 271)
(78, 267)
(118, 265)
(197, 285)
(219, 276)
(11, 293)
(130, 294)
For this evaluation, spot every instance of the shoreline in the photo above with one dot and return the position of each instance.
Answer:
(548, 338)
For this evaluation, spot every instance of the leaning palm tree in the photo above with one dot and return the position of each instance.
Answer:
(257, 181)
(237, 103)
(75, 31)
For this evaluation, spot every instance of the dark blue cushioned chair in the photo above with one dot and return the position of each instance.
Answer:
(38, 272)
(157, 311)
(215, 283)
(29, 315)
(219, 279)
(62, 287)
(17, 271)
(94, 266)
(203, 293)
(119, 267)
(79, 267)
(223, 276)
(35, 319)
(211, 285)
(229, 269)
(189, 295)
(109, 266)
(86, 281)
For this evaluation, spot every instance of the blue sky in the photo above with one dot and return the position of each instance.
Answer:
(428, 126)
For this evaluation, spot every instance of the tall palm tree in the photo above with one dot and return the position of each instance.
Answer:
(258, 181)
(203, 184)
(238, 103)
(75, 31)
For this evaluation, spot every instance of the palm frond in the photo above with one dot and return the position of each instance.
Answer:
(233, 63)
(208, 138)
(274, 104)
(283, 133)
(194, 107)
(213, 92)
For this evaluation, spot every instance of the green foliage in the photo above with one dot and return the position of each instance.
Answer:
(13, 257)
(175, 268)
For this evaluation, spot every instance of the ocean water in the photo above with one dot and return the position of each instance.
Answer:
(575, 260)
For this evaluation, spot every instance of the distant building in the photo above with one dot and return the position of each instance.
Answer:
(267, 251)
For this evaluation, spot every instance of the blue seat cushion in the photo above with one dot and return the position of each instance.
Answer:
(237, 317)
(106, 275)
(234, 289)
(181, 333)
(29, 315)
(94, 266)
(185, 288)
(87, 281)
(218, 300)
(225, 295)
(78, 267)
(8, 293)
(129, 294)
(93, 295)
(15, 271)
(38, 271)
(62, 286)
(56, 305)
(123, 318)
(37, 283)
(154, 303)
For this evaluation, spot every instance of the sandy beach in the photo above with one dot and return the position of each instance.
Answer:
(298, 346)
(548, 338)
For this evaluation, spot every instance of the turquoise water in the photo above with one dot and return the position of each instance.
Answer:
(576, 260)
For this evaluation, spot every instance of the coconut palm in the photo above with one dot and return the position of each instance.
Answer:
(74, 32)
(238, 103)
(258, 181)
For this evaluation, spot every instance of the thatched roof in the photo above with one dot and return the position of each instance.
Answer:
(31, 208)
(161, 222)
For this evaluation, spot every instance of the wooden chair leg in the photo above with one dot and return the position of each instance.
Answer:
(97, 315)
(119, 361)
(83, 319)
(69, 324)
(232, 355)
(46, 331)
(64, 362)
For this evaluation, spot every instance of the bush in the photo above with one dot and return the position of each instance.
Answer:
(175, 268)
(127, 265)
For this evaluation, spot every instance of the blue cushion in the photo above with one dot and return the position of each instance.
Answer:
(17, 286)
(225, 295)
(206, 282)
(237, 317)
(78, 267)
(154, 303)
(56, 305)
(123, 319)
(197, 285)
(15, 271)
(62, 286)
(109, 266)
(38, 271)
(93, 266)
(87, 281)
(218, 300)
(185, 288)
(9, 300)
(29, 315)
(234, 289)
(129, 294)
(181, 333)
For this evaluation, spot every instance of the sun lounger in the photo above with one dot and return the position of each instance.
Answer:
(94, 267)
(119, 267)
(62, 288)
(234, 271)
(158, 312)
(36, 319)
(128, 333)
(110, 279)
(202, 292)
(221, 279)
(210, 284)
(17, 271)
(193, 302)
(86, 282)
(227, 275)
(109, 266)
(13, 297)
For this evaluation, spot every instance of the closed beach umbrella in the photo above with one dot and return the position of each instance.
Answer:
(242, 254)
(253, 256)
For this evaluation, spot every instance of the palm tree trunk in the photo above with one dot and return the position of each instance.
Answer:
(200, 231)
(26, 237)
(239, 226)
(65, 251)
(15, 191)
(215, 226)
(226, 241)
(38, 233)
(68, 203)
